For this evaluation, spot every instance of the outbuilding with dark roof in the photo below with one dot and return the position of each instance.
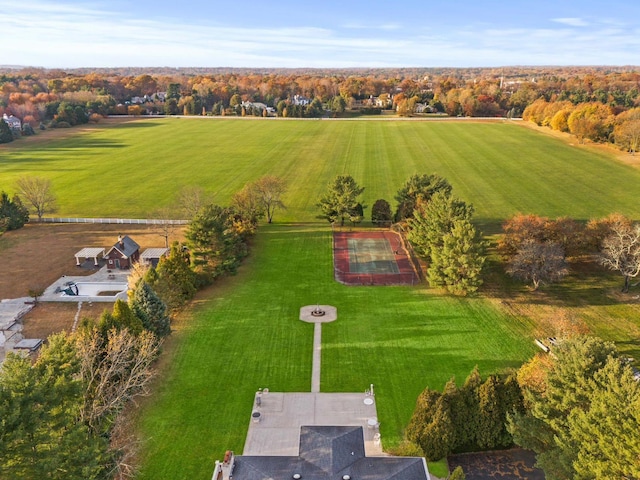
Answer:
(123, 254)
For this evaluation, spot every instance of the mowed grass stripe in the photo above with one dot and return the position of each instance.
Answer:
(133, 169)
(248, 336)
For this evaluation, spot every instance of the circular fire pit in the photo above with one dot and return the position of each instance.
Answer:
(318, 313)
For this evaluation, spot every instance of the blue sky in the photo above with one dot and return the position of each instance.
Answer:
(330, 33)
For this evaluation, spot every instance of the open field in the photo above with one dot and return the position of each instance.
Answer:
(248, 336)
(243, 334)
(133, 168)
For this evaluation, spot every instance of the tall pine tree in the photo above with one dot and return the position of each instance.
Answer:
(151, 310)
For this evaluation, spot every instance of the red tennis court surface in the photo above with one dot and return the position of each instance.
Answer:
(372, 258)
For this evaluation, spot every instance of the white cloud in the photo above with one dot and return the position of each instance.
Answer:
(571, 21)
(64, 36)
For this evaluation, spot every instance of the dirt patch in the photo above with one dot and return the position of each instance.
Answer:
(47, 318)
(514, 464)
(38, 254)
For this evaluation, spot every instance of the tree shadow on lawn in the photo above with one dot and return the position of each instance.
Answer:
(137, 124)
(587, 284)
(87, 142)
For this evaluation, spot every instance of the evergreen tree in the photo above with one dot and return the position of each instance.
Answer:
(434, 219)
(40, 435)
(341, 199)
(381, 215)
(418, 188)
(457, 264)
(215, 245)
(125, 318)
(151, 310)
(176, 283)
(466, 413)
(491, 417)
(13, 214)
(573, 385)
(438, 437)
(422, 415)
(607, 433)
(5, 132)
(457, 474)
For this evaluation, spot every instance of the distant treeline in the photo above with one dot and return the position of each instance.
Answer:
(39, 95)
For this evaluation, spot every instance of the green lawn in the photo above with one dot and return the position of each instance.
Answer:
(502, 168)
(248, 336)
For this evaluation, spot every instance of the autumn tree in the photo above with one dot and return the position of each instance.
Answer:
(627, 130)
(191, 199)
(247, 204)
(593, 121)
(114, 368)
(621, 252)
(269, 190)
(519, 229)
(340, 200)
(538, 263)
(598, 229)
(38, 193)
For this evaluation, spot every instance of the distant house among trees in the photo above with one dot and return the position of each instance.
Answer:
(13, 122)
(300, 100)
(123, 254)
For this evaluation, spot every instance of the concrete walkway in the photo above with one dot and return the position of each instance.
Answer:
(317, 314)
(317, 355)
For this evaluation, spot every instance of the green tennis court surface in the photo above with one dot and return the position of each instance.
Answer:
(371, 255)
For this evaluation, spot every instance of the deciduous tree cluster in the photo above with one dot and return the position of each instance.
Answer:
(536, 248)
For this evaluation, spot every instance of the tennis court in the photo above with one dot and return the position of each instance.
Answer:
(372, 258)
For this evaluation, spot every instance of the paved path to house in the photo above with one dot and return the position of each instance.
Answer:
(317, 354)
(309, 314)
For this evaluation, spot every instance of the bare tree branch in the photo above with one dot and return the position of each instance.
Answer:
(37, 192)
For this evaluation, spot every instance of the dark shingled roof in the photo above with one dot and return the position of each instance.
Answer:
(127, 247)
(329, 453)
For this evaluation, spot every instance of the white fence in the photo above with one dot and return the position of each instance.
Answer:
(128, 221)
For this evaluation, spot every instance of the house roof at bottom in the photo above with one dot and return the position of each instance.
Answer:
(329, 453)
